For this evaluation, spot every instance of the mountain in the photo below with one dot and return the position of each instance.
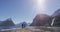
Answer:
(56, 16)
(6, 24)
(57, 12)
(20, 25)
(41, 20)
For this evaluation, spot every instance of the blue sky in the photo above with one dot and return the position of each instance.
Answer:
(23, 10)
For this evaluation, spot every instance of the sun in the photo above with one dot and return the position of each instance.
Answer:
(40, 5)
(40, 1)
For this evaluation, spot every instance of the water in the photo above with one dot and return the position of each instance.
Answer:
(32, 29)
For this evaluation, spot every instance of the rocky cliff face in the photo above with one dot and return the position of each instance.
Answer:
(41, 20)
(56, 15)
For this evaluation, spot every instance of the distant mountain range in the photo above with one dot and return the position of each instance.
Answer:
(8, 24)
(19, 25)
(39, 20)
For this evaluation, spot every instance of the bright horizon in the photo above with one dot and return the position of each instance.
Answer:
(26, 10)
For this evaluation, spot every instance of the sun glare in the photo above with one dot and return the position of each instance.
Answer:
(40, 1)
(40, 5)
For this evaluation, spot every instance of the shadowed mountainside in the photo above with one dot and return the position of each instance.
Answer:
(6, 24)
(56, 15)
(41, 20)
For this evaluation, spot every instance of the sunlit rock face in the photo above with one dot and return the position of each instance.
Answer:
(56, 15)
(41, 20)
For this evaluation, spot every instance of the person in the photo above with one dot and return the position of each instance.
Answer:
(23, 25)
